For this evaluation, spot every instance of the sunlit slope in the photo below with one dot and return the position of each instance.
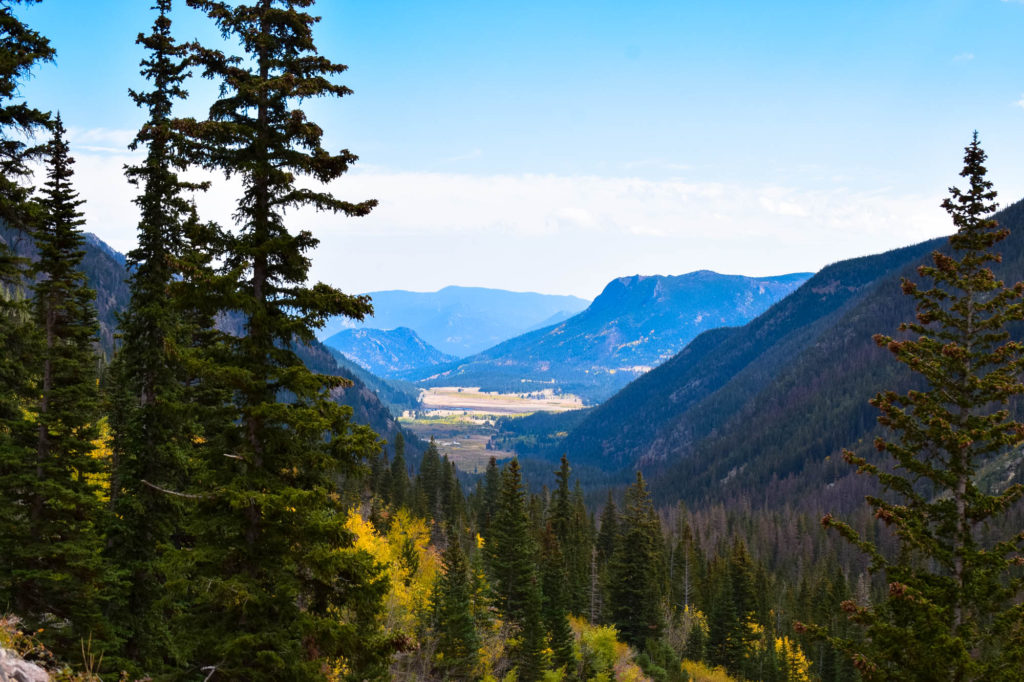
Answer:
(635, 324)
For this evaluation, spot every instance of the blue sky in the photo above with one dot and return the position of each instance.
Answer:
(552, 146)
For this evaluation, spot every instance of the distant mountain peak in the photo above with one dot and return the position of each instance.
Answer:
(387, 352)
(634, 324)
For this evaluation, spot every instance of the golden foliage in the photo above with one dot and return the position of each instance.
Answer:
(410, 563)
(699, 672)
(103, 452)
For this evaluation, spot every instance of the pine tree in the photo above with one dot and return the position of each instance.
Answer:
(555, 604)
(56, 568)
(607, 535)
(430, 482)
(636, 569)
(510, 555)
(604, 549)
(458, 642)
(488, 497)
(21, 50)
(153, 407)
(279, 590)
(399, 479)
(569, 521)
(953, 609)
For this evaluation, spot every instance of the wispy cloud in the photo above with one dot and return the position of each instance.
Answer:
(1020, 102)
(474, 154)
(100, 140)
(964, 57)
(555, 233)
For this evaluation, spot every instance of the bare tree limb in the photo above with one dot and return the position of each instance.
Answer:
(172, 492)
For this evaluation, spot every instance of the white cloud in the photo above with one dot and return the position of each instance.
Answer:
(100, 140)
(554, 233)
(964, 57)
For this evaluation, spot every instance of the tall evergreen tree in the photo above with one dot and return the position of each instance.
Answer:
(570, 524)
(510, 555)
(555, 604)
(153, 416)
(399, 479)
(56, 565)
(488, 497)
(458, 642)
(430, 482)
(21, 50)
(953, 610)
(282, 591)
(636, 569)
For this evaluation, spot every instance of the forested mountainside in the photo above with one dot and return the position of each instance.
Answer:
(387, 352)
(635, 324)
(762, 412)
(397, 395)
(104, 269)
(462, 321)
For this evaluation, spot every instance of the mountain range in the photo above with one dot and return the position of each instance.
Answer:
(635, 324)
(761, 413)
(461, 321)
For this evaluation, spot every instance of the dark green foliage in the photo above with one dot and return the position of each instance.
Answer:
(636, 570)
(275, 592)
(732, 611)
(429, 483)
(953, 609)
(155, 406)
(571, 526)
(487, 498)
(555, 603)
(399, 479)
(510, 554)
(537, 434)
(608, 534)
(21, 50)
(53, 574)
(457, 641)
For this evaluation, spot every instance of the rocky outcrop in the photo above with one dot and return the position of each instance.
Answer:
(14, 669)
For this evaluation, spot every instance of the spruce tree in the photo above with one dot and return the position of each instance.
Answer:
(21, 50)
(458, 642)
(488, 497)
(953, 609)
(399, 479)
(510, 555)
(58, 575)
(153, 404)
(430, 483)
(635, 572)
(279, 591)
(570, 524)
(555, 604)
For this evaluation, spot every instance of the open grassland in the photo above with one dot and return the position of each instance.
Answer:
(472, 400)
(461, 420)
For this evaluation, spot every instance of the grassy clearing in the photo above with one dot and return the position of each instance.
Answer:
(461, 420)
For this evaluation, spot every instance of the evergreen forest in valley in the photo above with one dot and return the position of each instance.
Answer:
(193, 487)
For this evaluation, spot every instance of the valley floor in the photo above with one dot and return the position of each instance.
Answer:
(462, 420)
